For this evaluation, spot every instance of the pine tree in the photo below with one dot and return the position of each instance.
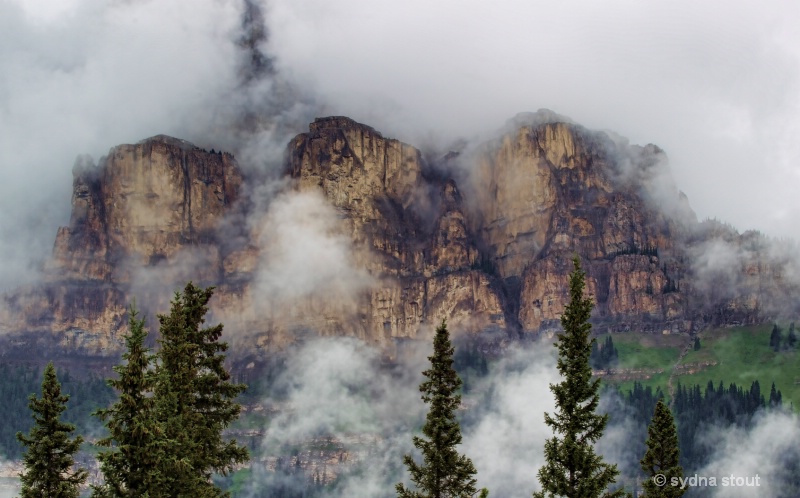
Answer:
(194, 399)
(572, 468)
(445, 473)
(130, 466)
(660, 462)
(50, 454)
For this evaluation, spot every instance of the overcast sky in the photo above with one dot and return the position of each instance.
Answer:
(715, 84)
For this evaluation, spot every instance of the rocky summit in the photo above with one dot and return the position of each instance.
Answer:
(482, 237)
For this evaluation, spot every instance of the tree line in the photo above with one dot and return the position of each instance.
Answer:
(165, 427)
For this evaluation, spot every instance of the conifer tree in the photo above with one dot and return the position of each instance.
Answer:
(775, 338)
(572, 469)
(791, 337)
(50, 454)
(661, 461)
(130, 466)
(445, 473)
(194, 399)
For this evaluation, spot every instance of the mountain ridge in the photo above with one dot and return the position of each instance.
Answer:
(408, 241)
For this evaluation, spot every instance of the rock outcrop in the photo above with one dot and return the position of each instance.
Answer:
(491, 252)
(141, 207)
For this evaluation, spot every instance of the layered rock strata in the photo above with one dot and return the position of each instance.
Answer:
(490, 251)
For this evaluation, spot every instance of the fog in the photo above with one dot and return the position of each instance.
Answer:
(715, 85)
(336, 392)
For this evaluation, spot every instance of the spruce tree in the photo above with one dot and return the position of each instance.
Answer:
(50, 455)
(572, 469)
(791, 337)
(130, 466)
(775, 338)
(661, 461)
(194, 399)
(445, 473)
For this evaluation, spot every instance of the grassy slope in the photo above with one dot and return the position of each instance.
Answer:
(646, 353)
(740, 354)
(743, 355)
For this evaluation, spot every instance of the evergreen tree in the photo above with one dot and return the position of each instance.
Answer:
(130, 466)
(775, 398)
(791, 337)
(445, 473)
(594, 357)
(194, 399)
(775, 338)
(572, 468)
(50, 454)
(662, 456)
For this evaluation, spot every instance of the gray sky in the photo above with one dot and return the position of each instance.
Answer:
(716, 84)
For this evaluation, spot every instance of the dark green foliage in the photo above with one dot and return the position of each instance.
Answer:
(634, 249)
(17, 382)
(194, 399)
(719, 406)
(604, 357)
(445, 473)
(50, 453)
(662, 456)
(775, 397)
(572, 468)
(130, 466)
(696, 343)
(791, 337)
(775, 338)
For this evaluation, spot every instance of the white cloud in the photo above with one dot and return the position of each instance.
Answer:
(714, 84)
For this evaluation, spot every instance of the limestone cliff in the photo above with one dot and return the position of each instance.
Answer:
(489, 249)
(140, 207)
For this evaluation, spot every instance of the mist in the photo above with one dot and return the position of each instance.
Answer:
(83, 76)
(715, 86)
(340, 413)
(766, 450)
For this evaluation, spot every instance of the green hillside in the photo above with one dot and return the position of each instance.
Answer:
(740, 354)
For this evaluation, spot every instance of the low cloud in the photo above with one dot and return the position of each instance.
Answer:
(768, 450)
(305, 251)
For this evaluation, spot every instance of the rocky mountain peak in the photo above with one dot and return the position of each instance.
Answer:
(488, 248)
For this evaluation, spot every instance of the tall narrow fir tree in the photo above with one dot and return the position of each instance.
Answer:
(445, 473)
(130, 465)
(661, 461)
(50, 455)
(572, 469)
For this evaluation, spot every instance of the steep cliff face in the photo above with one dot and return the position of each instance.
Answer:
(491, 254)
(140, 207)
(144, 202)
(419, 246)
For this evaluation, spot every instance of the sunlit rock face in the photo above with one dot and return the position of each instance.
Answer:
(366, 237)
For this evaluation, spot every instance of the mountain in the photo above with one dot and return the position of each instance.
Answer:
(363, 235)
